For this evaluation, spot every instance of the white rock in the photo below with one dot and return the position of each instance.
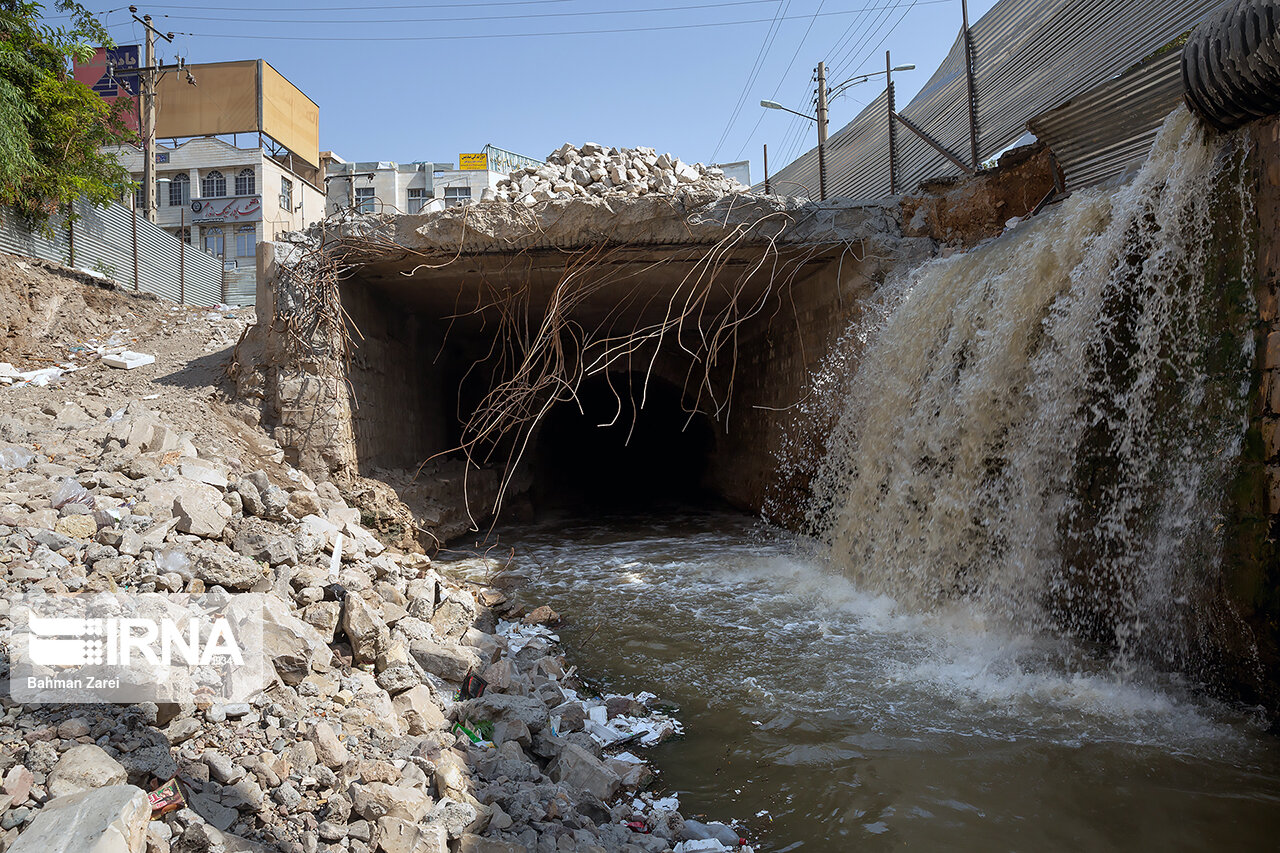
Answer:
(83, 768)
(106, 820)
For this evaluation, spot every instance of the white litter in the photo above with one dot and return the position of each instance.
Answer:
(518, 635)
(336, 563)
(128, 360)
(704, 844)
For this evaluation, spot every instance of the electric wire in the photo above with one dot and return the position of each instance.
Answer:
(765, 45)
(472, 36)
(349, 22)
(774, 96)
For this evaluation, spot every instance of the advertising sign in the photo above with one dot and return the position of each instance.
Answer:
(473, 162)
(226, 210)
(112, 74)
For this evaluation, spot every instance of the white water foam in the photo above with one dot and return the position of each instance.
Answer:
(1045, 427)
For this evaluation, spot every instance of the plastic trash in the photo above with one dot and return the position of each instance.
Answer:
(13, 456)
(128, 360)
(473, 686)
(174, 560)
(168, 797)
(71, 492)
(110, 517)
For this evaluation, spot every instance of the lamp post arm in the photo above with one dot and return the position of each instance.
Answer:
(789, 110)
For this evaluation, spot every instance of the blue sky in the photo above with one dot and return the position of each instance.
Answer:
(404, 81)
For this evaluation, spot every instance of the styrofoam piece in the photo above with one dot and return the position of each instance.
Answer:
(128, 360)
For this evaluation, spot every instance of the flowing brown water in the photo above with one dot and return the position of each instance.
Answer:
(998, 633)
(854, 723)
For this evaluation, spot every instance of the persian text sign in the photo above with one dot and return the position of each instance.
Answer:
(145, 647)
(112, 73)
(473, 162)
(229, 210)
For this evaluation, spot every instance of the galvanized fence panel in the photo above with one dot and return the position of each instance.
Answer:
(1029, 56)
(1098, 134)
(102, 242)
(17, 239)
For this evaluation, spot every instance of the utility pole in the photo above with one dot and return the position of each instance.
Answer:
(893, 147)
(968, 75)
(766, 168)
(822, 131)
(148, 79)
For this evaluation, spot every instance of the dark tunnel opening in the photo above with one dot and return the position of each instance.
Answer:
(609, 454)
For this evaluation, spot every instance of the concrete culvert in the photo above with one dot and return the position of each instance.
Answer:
(609, 453)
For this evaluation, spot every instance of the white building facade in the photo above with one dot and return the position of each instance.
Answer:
(389, 187)
(225, 200)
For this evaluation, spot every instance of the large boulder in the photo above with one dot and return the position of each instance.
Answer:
(293, 646)
(418, 711)
(400, 836)
(105, 820)
(363, 626)
(503, 707)
(581, 770)
(220, 566)
(83, 768)
(200, 515)
(452, 663)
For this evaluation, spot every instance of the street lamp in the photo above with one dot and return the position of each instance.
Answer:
(821, 117)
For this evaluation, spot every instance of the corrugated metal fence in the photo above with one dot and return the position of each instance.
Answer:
(1028, 55)
(102, 242)
(1096, 135)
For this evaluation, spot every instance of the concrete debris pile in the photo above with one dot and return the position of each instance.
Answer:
(363, 741)
(597, 170)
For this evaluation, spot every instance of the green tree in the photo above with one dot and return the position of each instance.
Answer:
(52, 128)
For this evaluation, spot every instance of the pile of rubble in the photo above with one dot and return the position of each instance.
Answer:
(363, 740)
(354, 746)
(597, 170)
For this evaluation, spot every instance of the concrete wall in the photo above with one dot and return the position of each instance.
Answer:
(399, 409)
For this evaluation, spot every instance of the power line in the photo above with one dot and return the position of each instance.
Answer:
(765, 45)
(349, 22)
(664, 28)
(851, 46)
(885, 37)
(310, 8)
(776, 89)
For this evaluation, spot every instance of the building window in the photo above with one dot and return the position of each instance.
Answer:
(286, 195)
(417, 199)
(214, 241)
(183, 234)
(455, 196)
(245, 183)
(138, 200)
(180, 190)
(364, 199)
(213, 185)
(246, 241)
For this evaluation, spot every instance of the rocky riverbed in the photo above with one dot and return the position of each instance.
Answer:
(146, 481)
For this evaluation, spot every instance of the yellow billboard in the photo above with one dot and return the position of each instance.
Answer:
(238, 97)
(225, 100)
(473, 162)
(290, 117)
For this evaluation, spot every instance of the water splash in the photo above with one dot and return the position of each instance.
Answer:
(1048, 425)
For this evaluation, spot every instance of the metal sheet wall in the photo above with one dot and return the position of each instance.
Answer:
(1029, 56)
(1098, 134)
(103, 238)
